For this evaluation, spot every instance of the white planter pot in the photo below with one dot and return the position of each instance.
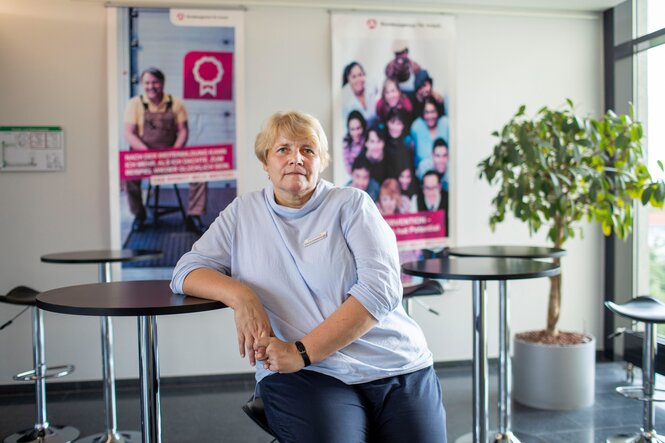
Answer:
(554, 377)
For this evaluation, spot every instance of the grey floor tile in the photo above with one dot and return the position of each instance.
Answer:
(211, 412)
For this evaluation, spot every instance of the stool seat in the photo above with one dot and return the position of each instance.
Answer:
(254, 410)
(427, 287)
(21, 295)
(644, 309)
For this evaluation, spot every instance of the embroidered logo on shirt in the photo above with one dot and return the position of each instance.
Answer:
(317, 237)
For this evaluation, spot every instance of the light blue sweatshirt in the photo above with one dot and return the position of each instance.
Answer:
(304, 263)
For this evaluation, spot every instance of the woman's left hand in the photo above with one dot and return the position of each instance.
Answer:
(279, 356)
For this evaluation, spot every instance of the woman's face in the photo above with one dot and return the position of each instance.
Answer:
(391, 94)
(404, 179)
(430, 115)
(395, 127)
(293, 168)
(374, 147)
(388, 203)
(355, 130)
(357, 80)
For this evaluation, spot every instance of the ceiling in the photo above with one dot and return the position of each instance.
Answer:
(524, 6)
(534, 5)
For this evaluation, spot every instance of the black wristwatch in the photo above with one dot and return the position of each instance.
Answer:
(303, 353)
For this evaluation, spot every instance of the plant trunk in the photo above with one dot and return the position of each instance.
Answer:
(554, 304)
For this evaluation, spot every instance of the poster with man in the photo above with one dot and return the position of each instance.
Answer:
(392, 88)
(178, 129)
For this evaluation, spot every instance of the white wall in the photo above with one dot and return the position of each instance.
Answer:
(53, 72)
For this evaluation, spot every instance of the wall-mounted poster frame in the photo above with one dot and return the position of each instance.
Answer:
(393, 89)
(175, 122)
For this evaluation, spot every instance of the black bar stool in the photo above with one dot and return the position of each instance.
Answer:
(427, 287)
(649, 311)
(254, 410)
(42, 432)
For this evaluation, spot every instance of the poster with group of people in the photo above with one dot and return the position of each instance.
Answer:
(178, 129)
(392, 80)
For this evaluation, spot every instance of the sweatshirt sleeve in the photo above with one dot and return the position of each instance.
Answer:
(213, 250)
(374, 248)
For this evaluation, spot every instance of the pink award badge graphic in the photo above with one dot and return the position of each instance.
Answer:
(208, 75)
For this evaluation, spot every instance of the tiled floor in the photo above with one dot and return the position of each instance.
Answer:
(210, 412)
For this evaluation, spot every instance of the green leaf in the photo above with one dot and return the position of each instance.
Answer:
(646, 195)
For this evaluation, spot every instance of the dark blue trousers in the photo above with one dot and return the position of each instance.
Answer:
(309, 407)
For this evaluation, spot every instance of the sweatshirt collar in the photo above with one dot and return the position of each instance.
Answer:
(292, 213)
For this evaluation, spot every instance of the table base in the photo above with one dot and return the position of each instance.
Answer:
(638, 437)
(498, 437)
(108, 437)
(51, 434)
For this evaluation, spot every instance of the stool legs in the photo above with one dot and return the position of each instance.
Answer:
(42, 432)
(648, 433)
(649, 378)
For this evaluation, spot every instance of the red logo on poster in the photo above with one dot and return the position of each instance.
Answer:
(371, 23)
(208, 75)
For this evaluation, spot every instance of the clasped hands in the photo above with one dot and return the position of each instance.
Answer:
(257, 340)
(277, 355)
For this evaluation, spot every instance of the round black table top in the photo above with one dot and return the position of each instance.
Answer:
(123, 298)
(480, 268)
(508, 251)
(102, 256)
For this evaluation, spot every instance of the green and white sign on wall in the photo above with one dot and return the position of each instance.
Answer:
(32, 148)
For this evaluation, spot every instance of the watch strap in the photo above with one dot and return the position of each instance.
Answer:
(303, 353)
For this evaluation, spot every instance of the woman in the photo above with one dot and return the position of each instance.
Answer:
(427, 128)
(392, 97)
(356, 94)
(312, 274)
(399, 145)
(381, 167)
(408, 185)
(354, 139)
(391, 200)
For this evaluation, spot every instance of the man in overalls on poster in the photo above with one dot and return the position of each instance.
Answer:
(155, 120)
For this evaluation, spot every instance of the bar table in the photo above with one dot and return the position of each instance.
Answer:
(105, 258)
(479, 270)
(505, 433)
(145, 299)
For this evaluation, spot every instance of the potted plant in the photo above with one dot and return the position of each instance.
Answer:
(552, 171)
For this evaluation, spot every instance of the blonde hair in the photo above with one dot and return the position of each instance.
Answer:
(292, 125)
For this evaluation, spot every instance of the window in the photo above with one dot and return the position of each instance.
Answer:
(635, 73)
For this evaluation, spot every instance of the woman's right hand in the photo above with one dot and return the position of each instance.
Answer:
(252, 323)
(251, 318)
